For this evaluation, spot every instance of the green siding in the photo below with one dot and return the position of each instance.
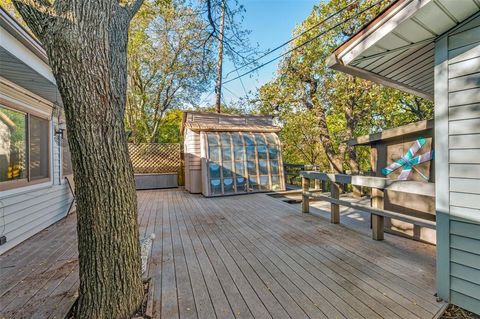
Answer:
(457, 108)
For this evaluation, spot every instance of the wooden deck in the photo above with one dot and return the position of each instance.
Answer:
(247, 256)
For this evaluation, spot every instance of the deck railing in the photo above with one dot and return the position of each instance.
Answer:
(378, 187)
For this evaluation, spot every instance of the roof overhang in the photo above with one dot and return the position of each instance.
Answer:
(396, 48)
(24, 62)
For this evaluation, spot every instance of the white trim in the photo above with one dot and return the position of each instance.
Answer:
(442, 194)
(21, 52)
(381, 29)
(28, 101)
(25, 189)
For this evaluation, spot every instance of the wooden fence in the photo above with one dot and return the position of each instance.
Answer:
(378, 186)
(155, 158)
(156, 165)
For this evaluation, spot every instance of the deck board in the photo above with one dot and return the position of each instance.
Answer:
(249, 256)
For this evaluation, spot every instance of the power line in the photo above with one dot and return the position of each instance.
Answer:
(293, 39)
(303, 44)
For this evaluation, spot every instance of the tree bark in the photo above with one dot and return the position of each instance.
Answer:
(86, 42)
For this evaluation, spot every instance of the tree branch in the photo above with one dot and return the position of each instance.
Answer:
(38, 14)
(133, 7)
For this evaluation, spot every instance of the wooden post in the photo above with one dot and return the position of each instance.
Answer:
(357, 191)
(334, 208)
(317, 184)
(378, 222)
(305, 196)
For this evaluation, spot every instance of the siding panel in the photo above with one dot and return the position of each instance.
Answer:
(469, 126)
(464, 168)
(467, 273)
(469, 96)
(465, 258)
(464, 185)
(465, 200)
(464, 141)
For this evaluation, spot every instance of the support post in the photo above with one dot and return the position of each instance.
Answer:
(334, 208)
(317, 184)
(357, 191)
(378, 222)
(305, 196)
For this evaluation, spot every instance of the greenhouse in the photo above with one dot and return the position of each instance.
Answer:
(227, 154)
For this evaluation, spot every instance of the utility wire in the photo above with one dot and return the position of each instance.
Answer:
(294, 38)
(303, 44)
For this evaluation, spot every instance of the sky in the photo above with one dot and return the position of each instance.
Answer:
(271, 23)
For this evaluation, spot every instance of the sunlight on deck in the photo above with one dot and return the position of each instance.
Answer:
(248, 256)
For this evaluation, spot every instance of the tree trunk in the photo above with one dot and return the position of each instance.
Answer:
(86, 42)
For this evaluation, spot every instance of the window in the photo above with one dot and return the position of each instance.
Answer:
(242, 162)
(24, 148)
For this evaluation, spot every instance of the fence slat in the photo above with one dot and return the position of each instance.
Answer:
(155, 158)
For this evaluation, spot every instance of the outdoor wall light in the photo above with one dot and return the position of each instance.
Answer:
(61, 127)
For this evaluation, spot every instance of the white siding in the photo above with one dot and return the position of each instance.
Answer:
(28, 210)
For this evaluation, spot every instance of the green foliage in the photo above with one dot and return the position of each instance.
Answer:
(307, 96)
(170, 66)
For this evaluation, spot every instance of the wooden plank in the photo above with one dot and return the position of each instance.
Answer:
(305, 197)
(414, 187)
(316, 238)
(334, 207)
(380, 212)
(378, 223)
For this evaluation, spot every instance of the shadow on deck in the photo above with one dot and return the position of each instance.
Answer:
(249, 256)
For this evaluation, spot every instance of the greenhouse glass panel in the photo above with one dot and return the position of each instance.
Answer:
(228, 185)
(248, 139)
(274, 167)
(273, 151)
(252, 168)
(225, 139)
(251, 153)
(252, 182)
(212, 139)
(239, 152)
(240, 168)
(271, 139)
(237, 139)
(262, 152)
(215, 187)
(214, 153)
(241, 183)
(227, 169)
(263, 167)
(259, 139)
(226, 153)
(275, 182)
(214, 169)
(243, 162)
(264, 183)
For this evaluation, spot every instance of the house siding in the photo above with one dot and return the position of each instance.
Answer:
(26, 211)
(457, 111)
